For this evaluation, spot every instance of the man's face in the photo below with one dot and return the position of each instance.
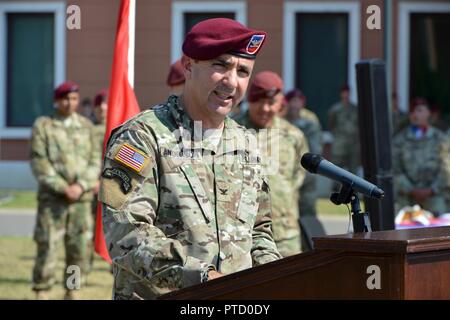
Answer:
(420, 116)
(295, 104)
(264, 110)
(68, 104)
(345, 96)
(100, 112)
(217, 85)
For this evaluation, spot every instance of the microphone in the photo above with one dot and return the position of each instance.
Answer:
(315, 163)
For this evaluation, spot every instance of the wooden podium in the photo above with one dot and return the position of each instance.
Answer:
(413, 264)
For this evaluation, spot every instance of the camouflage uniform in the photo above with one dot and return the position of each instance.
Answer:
(185, 207)
(62, 153)
(343, 124)
(310, 126)
(285, 182)
(446, 158)
(419, 163)
(400, 121)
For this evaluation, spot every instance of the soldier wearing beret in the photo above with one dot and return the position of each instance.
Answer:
(307, 121)
(185, 199)
(65, 162)
(175, 78)
(285, 145)
(343, 124)
(419, 162)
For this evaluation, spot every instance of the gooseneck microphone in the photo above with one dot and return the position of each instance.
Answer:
(315, 163)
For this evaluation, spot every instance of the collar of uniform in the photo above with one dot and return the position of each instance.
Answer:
(428, 134)
(74, 119)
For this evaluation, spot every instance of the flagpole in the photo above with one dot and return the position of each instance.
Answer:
(131, 33)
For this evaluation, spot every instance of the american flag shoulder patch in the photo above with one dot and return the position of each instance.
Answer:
(131, 157)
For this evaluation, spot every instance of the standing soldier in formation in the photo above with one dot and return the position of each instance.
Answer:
(65, 162)
(285, 145)
(175, 78)
(419, 162)
(99, 112)
(309, 124)
(343, 124)
(184, 195)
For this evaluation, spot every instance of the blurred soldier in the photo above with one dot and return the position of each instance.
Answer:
(85, 109)
(265, 98)
(343, 124)
(185, 198)
(308, 122)
(65, 163)
(399, 119)
(100, 109)
(175, 78)
(418, 159)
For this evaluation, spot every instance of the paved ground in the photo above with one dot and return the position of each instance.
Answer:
(20, 223)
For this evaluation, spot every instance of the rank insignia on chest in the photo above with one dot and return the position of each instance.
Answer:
(131, 157)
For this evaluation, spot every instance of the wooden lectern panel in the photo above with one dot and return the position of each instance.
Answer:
(413, 264)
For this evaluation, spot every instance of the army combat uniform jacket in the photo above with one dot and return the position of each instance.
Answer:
(176, 206)
(285, 145)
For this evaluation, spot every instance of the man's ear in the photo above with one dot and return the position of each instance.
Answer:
(186, 62)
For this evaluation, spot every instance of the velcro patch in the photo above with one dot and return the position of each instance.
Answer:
(132, 158)
(120, 175)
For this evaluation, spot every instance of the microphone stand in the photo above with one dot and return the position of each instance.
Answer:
(361, 220)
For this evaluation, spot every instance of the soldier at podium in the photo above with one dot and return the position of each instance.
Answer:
(185, 196)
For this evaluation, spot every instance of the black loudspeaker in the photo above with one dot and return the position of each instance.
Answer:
(375, 127)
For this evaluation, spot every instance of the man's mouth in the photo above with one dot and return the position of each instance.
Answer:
(223, 96)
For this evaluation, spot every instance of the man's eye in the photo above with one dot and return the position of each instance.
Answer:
(243, 73)
(219, 64)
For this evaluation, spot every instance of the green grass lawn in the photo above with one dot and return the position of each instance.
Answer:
(16, 264)
(18, 199)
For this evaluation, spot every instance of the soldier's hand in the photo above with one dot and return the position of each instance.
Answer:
(96, 187)
(74, 192)
(214, 275)
(421, 195)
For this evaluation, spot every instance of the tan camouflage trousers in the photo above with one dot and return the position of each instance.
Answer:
(61, 222)
(308, 196)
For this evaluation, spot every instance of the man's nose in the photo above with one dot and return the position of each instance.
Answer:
(231, 80)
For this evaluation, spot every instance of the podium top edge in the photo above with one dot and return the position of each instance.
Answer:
(403, 241)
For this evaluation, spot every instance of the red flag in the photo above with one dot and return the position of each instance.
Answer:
(122, 102)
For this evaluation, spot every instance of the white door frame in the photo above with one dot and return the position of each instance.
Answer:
(58, 8)
(403, 44)
(291, 8)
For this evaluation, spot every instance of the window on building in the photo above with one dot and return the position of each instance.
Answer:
(430, 59)
(30, 67)
(321, 59)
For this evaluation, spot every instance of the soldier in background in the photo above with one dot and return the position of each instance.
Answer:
(85, 109)
(65, 163)
(309, 124)
(343, 124)
(419, 162)
(265, 99)
(100, 110)
(185, 198)
(175, 78)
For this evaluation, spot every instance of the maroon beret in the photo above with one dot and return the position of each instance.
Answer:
(419, 101)
(213, 37)
(65, 88)
(100, 97)
(345, 87)
(176, 74)
(265, 84)
(294, 93)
